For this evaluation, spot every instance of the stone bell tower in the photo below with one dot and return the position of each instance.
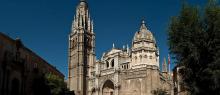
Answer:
(81, 50)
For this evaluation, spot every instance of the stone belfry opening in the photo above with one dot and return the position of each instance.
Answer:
(81, 50)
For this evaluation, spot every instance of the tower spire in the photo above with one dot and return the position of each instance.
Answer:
(83, 3)
(81, 63)
(164, 68)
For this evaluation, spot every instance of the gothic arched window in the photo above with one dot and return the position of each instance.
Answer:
(112, 63)
(73, 44)
(135, 59)
(107, 64)
(140, 58)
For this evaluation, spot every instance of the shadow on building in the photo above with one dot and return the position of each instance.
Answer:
(21, 70)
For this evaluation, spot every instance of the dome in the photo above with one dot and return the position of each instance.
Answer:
(143, 33)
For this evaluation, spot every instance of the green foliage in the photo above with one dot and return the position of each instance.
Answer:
(194, 41)
(38, 84)
(56, 84)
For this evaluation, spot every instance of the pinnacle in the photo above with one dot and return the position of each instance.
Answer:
(143, 26)
(143, 22)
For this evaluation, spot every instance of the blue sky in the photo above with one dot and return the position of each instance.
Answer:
(44, 25)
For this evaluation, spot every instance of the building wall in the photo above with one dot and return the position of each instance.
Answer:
(126, 80)
(141, 81)
(17, 64)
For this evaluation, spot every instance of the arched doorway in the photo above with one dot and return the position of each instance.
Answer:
(108, 88)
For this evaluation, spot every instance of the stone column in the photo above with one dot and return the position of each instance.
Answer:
(116, 76)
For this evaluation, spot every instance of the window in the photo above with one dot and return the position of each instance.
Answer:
(125, 66)
(112, 63)
(135, 59)
(140, 58)
(73, 44)
(151, 57)
(107, 64)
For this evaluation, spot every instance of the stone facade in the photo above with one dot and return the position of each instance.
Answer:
(81, 50)
(125, 71)
(18, 65)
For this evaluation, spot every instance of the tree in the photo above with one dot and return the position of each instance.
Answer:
(57, 85)
(194, 42)
(39, 85)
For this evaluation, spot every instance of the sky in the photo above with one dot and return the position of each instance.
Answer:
(44, 25)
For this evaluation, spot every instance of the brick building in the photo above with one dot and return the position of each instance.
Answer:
(18, 66)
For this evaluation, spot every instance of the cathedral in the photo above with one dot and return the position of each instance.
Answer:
(120, 71)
